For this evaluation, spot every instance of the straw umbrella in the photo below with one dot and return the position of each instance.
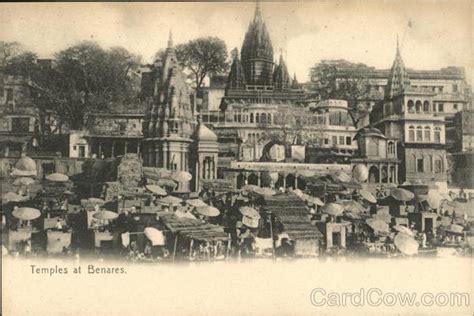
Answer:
(26, 213)
(156, 189)
(208, 210)
(156, 236)
(182, 176)
(250, 222)
(377, 225)
(366, 195)
(196, 203)
(57, 177)
(406, 244)
(249, 212)
(23, 181)
(105, 215)
(402, 194)
(333, 209)
(403, 230)
(360, 173)
(170, 200)
(13, 197)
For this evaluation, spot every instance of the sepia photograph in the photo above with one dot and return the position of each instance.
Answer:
(237, 158)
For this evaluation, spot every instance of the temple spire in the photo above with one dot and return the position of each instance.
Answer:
(258, 12)
(170, 39)
(398, 47)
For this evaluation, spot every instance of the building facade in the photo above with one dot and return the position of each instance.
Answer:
(407, 114)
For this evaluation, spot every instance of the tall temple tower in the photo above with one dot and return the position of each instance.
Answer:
(407, 114)
(170, 121)
(257, 52)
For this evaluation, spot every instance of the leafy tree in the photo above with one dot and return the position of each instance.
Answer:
(201, 58)
(342, 80)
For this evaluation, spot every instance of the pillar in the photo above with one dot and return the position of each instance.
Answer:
(296, 181)
(112, 154)
(125, 147)
(380, 173)
(284, 181)
(259, 179)
(396, 173)
(100, 149)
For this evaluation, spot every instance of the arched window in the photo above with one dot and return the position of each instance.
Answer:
(269, 118)
(411, 133)
(251, 117)
(419, 134)
(264, 118)
(418, 106)
(411, 106)
(426, 107)
(437, 135)
(427, 135)
(438, 165)
(257, 118)
(391, 148)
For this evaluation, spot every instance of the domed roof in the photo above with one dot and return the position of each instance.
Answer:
(206, 134)
(25, 163)
(370, 131)
(25, 166)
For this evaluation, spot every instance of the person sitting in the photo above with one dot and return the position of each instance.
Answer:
(58, 225)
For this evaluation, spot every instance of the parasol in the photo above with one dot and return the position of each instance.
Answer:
(105, 215)
(306, 173)
(298, 192)
(170, 200)
(360, 173)
(208, 210)
(333, 209)
(352, 206)
(241, 198)
(456, 229)
(250, 222)
(26, 213)
(196, 202)
(434, 199)
(13, 197)
(402, 194)
(156, 236)
(406, 244)
(249, 212)
(342, 176)
(95, 201)
(366, 195)
(274, 176)
(265, 191)
(23, 181)
(314, 200)
(57, 177)
(404, 230)
(377, 225)
(250, 188)
(156, 189)
(182, 176)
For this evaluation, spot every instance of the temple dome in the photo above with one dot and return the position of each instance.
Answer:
(25, 166)
(206, 134)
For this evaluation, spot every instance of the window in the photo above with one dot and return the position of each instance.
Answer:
(391, 148)
(9, 94)
(348, 140)
(440, 107)
(122, 126)
(455, 106)
(341, 140)
(426, 106)
(264, 118)
(411, 134)
(74, 147)
(411, 106)
(418, 106)
(437, 135)
(427, 134)
(334, 140)
(419, 134)
(438, 165)
(419, 165)
(20, 124)
(251, 117)
(257, 118)
(326, 141)
(82, 151)
(455, 88)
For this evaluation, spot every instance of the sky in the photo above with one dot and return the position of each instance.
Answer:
(433, 34)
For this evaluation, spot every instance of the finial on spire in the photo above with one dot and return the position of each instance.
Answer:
(235, 53)
(257, 9)
(170, 40)
(398, 46)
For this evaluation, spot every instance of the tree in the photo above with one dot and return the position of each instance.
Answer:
(343, 80)
(201, 58)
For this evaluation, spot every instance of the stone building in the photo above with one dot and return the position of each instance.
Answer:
(110, 133)
(174, 137)
(407, 114)
(17, 116)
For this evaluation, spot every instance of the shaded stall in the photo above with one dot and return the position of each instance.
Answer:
(290, 211)
(187, 231)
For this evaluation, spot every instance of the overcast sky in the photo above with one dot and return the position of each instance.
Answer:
(433, 34)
